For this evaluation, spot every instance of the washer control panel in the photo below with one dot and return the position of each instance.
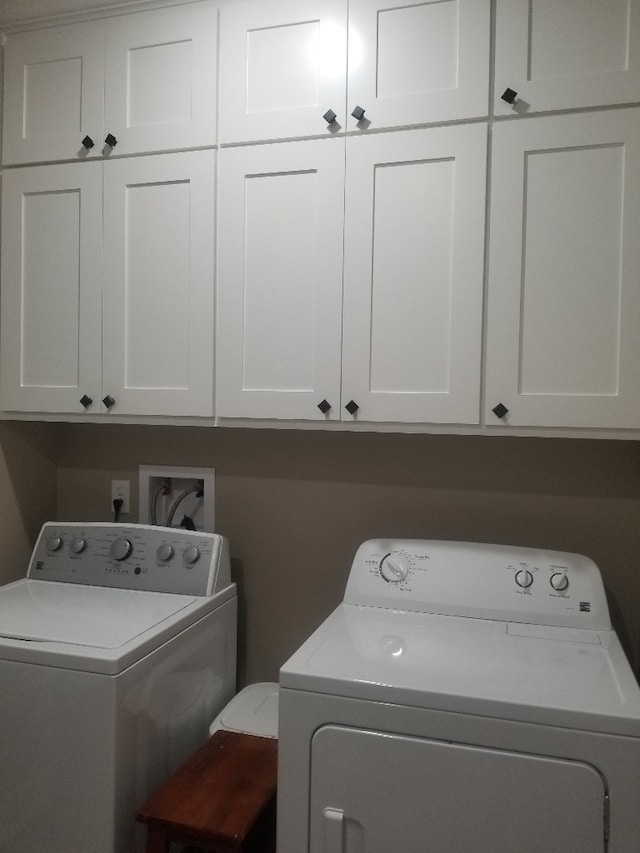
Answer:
(131, 556)
(485, 581)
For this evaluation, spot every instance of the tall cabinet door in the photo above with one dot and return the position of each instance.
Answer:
(413, 275)
(53, 93)
(417, 61)
(282, 69)
(280, 280)
(563, 55)
(160, 79)
(51, 280)
(564, 302)
(158, 284)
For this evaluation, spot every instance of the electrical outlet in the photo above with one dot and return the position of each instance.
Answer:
(120, 491)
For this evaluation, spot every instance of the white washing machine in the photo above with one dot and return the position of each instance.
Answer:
(464, 698)
(116, 651)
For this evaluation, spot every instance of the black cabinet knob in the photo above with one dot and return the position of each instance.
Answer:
(108, 401)
(324, 406)
(110, 140)
(88, 143)
(330, 117)
(358, 113)
(500, 410)
(510, 96)
(86, 401)
(352, 407)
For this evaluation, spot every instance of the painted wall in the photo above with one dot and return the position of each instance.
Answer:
(296, 505)
(28, 484)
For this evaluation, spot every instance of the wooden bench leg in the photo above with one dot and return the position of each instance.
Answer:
(158, 839)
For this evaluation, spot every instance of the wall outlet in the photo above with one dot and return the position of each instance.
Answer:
(120, 491)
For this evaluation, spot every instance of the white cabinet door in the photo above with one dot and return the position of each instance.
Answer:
(53, 93)
(282, 68)
(160, 79)
(417, 61)
(280, 280)
(413, 274)
(51, 279)
(158, 284)
(569, 54)
(564, 301)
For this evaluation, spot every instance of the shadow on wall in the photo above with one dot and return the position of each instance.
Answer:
(28, 490)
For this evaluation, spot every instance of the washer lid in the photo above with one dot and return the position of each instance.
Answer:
(95, 617)
(558, 676)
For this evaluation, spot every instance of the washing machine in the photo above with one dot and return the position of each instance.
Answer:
(116, 651)
(463, 698)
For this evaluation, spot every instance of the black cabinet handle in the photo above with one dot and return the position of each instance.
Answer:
(358, 113)
(108, 401)
(88, 143)
(330, 117)
(500, 410)
(510, 96)
(86, 401)
(110, 140)
(324, 406)
(352, 407)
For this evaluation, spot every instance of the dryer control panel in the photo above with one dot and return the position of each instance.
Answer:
(131, 556)
(499, 582)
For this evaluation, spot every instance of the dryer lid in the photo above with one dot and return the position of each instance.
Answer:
(84, 616)
(561, 677)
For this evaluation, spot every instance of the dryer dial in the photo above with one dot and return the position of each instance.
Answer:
(394, 568)
(559, 581)
(524, 578)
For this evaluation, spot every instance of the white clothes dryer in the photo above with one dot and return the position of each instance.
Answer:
(116, 651)
(463, 698)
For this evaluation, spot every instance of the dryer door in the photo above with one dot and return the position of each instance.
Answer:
(377, 792)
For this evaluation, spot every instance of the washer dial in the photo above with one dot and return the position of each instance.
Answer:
(121, 548)
(394, 568)
(77, 545)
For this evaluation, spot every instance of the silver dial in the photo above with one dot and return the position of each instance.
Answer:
(191, 555)
(77, 545)
(394, 568)
(524, 578)
(559, 581)
(165, 552)
(54, 543)
(121, 548)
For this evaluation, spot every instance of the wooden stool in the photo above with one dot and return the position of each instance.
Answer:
(221, 799)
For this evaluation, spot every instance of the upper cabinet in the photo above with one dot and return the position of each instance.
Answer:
(554, 55)
(564, 302)
(304, 68)
(137, 83)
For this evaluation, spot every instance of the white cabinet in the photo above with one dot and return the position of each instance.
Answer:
(566, 55)
(285, 70)
(413, 271)
(148, 80)
(413, 274)
(564, 302)
(280, 280)
(117, 311)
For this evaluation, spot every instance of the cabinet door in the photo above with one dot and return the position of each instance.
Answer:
(282, 68)
(564, 302)
(53, 93)
(413, 274)
(417, 61)
(158, 291)
(51, 266)
(563, 55)
(160, 79)
(280, 280)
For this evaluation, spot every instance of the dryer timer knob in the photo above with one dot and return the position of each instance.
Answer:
(394, 568)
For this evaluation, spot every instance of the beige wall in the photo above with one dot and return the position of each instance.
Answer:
(27, 491)
(295, 505)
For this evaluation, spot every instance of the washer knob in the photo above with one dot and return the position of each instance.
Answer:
(77, 545)
(393, 568)
(524, 578)
(191, 555)
(559, 581)
(165, 553)
(121, 548)
(54, 543)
